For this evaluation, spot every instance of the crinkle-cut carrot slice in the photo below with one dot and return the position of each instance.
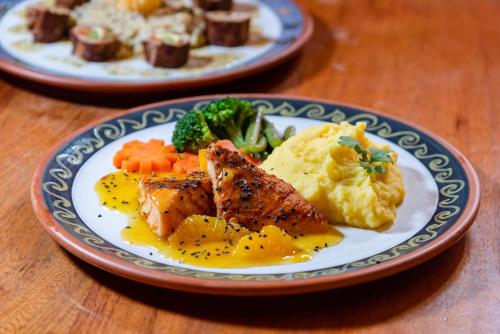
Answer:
(187, 163)
(130, 165)
(118, 159)
(173, 157)
(145, 167)
(162, 164)
(146, 158)
(170, 149)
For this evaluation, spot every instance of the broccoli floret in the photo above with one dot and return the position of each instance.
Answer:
(228, 119)
(192, 133)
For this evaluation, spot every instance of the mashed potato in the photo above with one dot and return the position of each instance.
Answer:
(329, 175)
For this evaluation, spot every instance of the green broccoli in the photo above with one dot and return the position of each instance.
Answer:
(228, 118)
(192, 133)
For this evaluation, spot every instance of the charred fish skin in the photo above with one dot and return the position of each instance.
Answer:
(167, 201)
(255, 198)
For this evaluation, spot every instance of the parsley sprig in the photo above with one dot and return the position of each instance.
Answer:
(370, 160)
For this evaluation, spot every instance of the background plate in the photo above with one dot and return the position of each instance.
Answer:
(63, 201)
(282, 22)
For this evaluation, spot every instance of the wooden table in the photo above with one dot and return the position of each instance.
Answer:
(434, 63)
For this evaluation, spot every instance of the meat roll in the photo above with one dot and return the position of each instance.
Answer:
(94, 43)
(227, 28)
(214, 4)
(47, 24)
(167, 50)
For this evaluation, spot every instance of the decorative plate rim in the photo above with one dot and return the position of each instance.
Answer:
(28, 73)
(226, 287)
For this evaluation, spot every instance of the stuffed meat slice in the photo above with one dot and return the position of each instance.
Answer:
(255, 198)
(167, 201)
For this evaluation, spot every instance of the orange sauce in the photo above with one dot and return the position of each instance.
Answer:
(209, 241)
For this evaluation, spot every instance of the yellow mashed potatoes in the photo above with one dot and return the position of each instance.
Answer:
(329, 175)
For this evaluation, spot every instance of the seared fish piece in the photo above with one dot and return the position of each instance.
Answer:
(255, 198)
(167, 201)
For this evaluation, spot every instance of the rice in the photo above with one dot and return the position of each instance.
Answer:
(132, 28)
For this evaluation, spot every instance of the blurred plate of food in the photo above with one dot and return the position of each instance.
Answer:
(254, 194)
(136, 45)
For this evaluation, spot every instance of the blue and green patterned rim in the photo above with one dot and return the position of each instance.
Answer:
(455, 178)
(297, 27)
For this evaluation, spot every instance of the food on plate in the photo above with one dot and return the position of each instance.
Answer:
(214, 4)
(47, 24)
(199, 229)
(161, 31)
(137, 156)
(186, 163)
(270, 241)
(154, 157)
(207, 200)
(94, 43)
(167, 201)
(255, 199)
(167, 50)
(192, 133)
(70, 4)
(342, 172)
(145, 7)
(227, 28)
(231, 119)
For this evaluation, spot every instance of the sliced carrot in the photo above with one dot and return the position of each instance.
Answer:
(172, 157)
(162, 164)
(187, 163)
(130, 165)
(170, 149)
(146, 158)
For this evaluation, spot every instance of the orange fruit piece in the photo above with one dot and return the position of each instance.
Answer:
(271, 241)
(202, 230)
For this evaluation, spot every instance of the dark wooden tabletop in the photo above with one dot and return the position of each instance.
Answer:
(434, 63)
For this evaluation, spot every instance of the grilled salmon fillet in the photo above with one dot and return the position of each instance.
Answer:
(255, 198)
(167, 201)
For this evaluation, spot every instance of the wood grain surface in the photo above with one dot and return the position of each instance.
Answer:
(434, 63)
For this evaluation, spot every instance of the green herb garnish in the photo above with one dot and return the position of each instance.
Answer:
(169, 39)
(370, 160)
(93, 34)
